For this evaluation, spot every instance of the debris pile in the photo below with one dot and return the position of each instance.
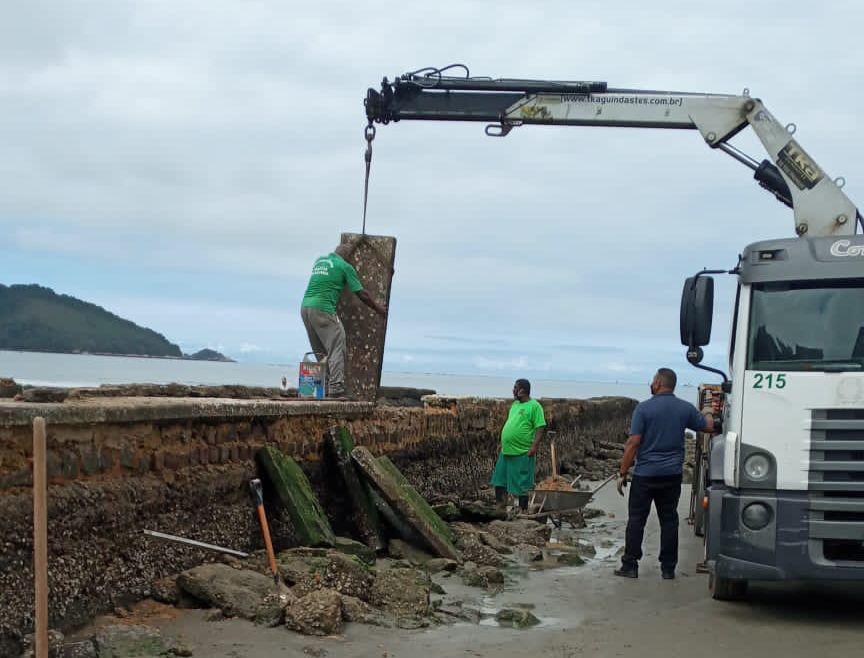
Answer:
(386, 579)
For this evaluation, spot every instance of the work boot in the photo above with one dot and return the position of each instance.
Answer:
(667, 574)
(627, 572)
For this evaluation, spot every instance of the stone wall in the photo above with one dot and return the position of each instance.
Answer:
(118, 466)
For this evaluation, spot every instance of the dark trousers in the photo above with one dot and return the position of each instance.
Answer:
(664, 492)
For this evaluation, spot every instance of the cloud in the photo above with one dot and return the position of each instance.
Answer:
(187, 162)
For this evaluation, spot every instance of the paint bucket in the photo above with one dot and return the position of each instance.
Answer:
(313, 377)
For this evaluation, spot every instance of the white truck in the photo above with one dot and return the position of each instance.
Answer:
(783, 483)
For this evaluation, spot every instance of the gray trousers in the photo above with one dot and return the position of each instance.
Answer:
(327, 338)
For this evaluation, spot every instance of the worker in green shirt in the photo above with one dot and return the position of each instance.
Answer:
(330, 274)
(520, 437)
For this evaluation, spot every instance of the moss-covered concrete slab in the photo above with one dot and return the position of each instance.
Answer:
(365, 516)
(311, 527)
(399, 493)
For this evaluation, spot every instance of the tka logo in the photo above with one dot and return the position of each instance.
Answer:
(846, 248)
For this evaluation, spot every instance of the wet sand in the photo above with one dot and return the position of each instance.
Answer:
(584, 611)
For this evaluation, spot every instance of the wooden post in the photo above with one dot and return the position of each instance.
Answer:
(554, 454)
(40, 536)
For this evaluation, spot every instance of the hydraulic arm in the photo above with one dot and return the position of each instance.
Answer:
(792, 176)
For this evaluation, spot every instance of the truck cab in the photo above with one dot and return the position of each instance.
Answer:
(785, 479)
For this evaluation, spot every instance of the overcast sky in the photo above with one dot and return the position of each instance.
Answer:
(183, 163)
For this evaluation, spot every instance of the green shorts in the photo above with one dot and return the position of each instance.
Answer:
(515, 473)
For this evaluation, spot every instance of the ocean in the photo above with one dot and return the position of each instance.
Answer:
(76, 370)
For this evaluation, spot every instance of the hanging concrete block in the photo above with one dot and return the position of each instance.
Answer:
(365, 330)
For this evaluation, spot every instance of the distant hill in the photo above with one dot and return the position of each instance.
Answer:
(36, 318)
(209, 355)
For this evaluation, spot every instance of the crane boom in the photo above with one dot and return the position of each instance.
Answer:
(820, 206)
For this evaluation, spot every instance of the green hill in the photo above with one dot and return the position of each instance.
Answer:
(36, 318)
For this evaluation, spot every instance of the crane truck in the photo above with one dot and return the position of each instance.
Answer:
(782, 484)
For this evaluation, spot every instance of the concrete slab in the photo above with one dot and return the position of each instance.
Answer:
(142, 409)
(365, 330)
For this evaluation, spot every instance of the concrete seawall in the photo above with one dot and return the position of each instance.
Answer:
(180, 465)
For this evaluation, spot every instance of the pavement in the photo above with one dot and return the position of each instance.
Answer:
(585, 611)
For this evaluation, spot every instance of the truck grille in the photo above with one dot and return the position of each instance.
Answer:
(836, 482)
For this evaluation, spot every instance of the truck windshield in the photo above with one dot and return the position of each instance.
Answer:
(806, 326)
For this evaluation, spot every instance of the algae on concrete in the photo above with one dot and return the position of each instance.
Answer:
(366, 520)
(405, 500)
(311, 527)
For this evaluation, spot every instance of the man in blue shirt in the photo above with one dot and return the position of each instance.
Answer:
(657, 444)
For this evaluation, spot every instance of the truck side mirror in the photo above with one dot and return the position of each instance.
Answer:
(697, 309)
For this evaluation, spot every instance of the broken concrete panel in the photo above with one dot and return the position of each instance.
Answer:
(311, 527)
(365, 330)
(365, 516)
(407, 502)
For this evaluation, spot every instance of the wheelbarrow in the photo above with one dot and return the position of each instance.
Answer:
(557, 505)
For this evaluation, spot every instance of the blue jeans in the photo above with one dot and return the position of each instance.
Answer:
(665, 493)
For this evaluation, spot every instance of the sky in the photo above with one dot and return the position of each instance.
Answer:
(183, 163)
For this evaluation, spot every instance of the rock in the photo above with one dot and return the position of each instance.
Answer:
(314, 569)
(592, 513)
(315, 652)
(237, 592)
(165, 590)
(569, 558)
(9, 388)
(316, 613)
(214, 615)
(521, 531)
(459, 611)
(402, 550)
(516, 618)
(435, 588)
(83, 649)
(355, 610)
(493, 542)
(492, 575)
(407, 502)
(45, 394)
(529, 553)
(478, 511)
(339, 444)
(355, 548)
(55, 644)
(401, 592)
(472, 547)
(439, 564)
(311, 527)
(123, 641)
(481, 576)
(411, 623)
(448, 512)
(271, 612)
(584, 548)
(180, 649)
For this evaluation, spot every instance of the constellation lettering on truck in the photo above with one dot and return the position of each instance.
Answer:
(843, 248)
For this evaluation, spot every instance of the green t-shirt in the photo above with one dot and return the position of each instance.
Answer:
(523, 420)
(329, 275)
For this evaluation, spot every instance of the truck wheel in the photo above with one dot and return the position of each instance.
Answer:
(727, 589)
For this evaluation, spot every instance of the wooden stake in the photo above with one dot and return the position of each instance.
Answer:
(554, 454)
(40, 536)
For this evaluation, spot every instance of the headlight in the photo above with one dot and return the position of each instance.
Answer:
(757, 466)
(756, 516)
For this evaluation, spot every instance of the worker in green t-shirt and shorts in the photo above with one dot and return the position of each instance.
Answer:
(520, 437)
(330, 274)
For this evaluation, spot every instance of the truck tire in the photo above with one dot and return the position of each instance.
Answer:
(727, 589)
